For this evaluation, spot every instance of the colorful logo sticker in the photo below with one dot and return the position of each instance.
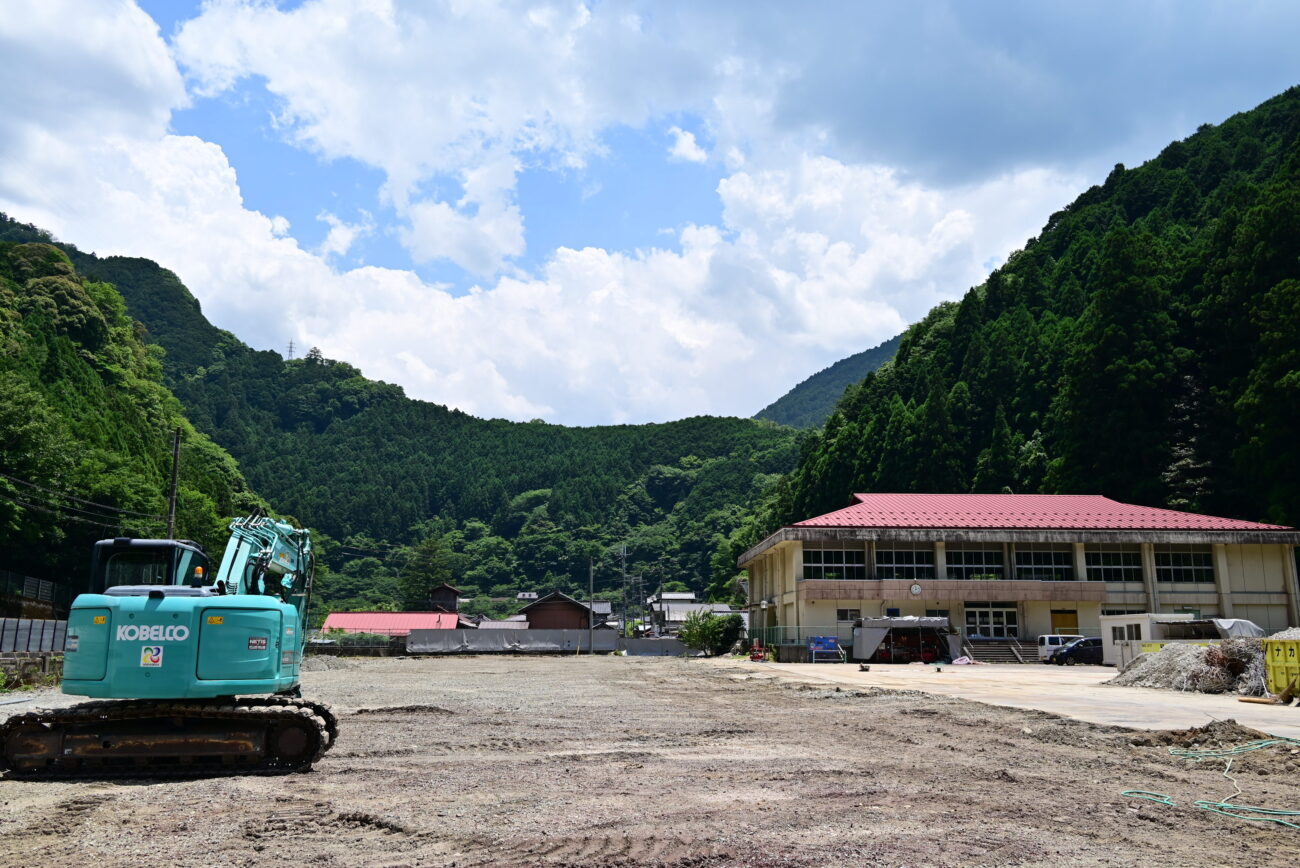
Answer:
(151, 656)
(216, 619)
(101, 619)
(257, 643)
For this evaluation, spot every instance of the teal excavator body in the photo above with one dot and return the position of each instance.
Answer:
(161, 627)
(204, 665)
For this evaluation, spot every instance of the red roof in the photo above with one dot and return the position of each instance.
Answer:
(1018, 511)
(390, 623)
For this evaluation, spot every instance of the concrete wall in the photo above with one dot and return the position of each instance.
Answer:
(21, 668)
(509, 641)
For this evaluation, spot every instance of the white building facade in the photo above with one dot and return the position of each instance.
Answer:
(1016, 566)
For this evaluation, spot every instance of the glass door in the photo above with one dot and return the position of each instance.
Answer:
(992, 621)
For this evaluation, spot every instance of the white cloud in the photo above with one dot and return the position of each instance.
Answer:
(685, 147)
(460, 91)
(480, 232)
(816, 256)
(339, 240)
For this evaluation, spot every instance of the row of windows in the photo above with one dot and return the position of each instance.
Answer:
(1119, 563)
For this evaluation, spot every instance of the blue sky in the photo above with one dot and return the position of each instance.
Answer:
(620, 199)
(603, 212)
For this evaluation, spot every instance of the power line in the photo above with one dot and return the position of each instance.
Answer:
(79, 499)
(120, 526)
(65, 507)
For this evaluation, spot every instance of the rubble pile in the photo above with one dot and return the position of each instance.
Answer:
(1232, 666)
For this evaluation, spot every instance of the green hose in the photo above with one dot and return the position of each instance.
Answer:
(1227, 807)
(1158, 798)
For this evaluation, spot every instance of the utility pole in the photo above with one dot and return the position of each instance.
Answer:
(622, 554)
(640, 598)
(176, 473)
(591, 605)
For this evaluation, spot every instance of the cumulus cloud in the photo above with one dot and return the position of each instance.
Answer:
(458, 91)
(685, 147)
(340, 238)
(825, 245)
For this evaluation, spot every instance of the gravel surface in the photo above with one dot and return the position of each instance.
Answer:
(612, 761)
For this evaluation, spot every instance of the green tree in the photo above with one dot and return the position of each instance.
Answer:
(710, 633)
(429, 566)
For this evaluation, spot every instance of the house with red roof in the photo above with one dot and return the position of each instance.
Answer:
(1012, 567)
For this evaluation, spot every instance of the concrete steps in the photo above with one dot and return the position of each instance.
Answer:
(1008, 651)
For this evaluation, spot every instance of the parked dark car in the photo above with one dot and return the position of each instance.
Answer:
(1078, 651)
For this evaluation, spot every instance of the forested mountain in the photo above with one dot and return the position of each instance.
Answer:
(1145, 346)
(811, 403)
(505, 506)
(86, 426)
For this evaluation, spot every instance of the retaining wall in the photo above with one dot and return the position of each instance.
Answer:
(30, 667)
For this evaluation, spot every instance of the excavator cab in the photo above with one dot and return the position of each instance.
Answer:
(125, 562)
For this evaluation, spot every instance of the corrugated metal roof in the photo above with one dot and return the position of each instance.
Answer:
(1018, 511)
(507, 624)
(390, 623)
(680, 611)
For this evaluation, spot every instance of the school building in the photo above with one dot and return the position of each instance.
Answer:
(1014, 566)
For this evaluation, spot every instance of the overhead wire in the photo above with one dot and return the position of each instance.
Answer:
(60, 506)
(124, 524)
(81, 500)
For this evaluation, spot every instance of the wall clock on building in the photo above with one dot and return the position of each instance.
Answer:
(916, 589)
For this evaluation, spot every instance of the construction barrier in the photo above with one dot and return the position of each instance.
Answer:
(488, 641)
(665, 647)
(26, 634)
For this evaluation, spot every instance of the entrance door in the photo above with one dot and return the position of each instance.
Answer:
(1065, 621)
(992, 620)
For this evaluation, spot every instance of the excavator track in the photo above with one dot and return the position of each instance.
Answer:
(151, 739)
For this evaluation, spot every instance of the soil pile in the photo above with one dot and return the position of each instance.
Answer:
(325, 662)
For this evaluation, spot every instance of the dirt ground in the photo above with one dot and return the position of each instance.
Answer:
(477, 761)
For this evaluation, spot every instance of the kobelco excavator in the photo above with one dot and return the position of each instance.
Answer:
(197, 674)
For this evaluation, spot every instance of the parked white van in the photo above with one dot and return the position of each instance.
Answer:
(1050, 643)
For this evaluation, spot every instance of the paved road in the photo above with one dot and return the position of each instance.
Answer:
(1075, 691)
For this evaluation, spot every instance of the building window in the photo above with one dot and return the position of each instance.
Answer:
(904, 563)
(834, 563)
(1123, 610)
(1045, 562)
(848, 614)
(1113, 563)
(992, 620)
(1184, 563)
(1134, 631)
(936, 613)
(893, 613)
(1117, 634)
(974, 562)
